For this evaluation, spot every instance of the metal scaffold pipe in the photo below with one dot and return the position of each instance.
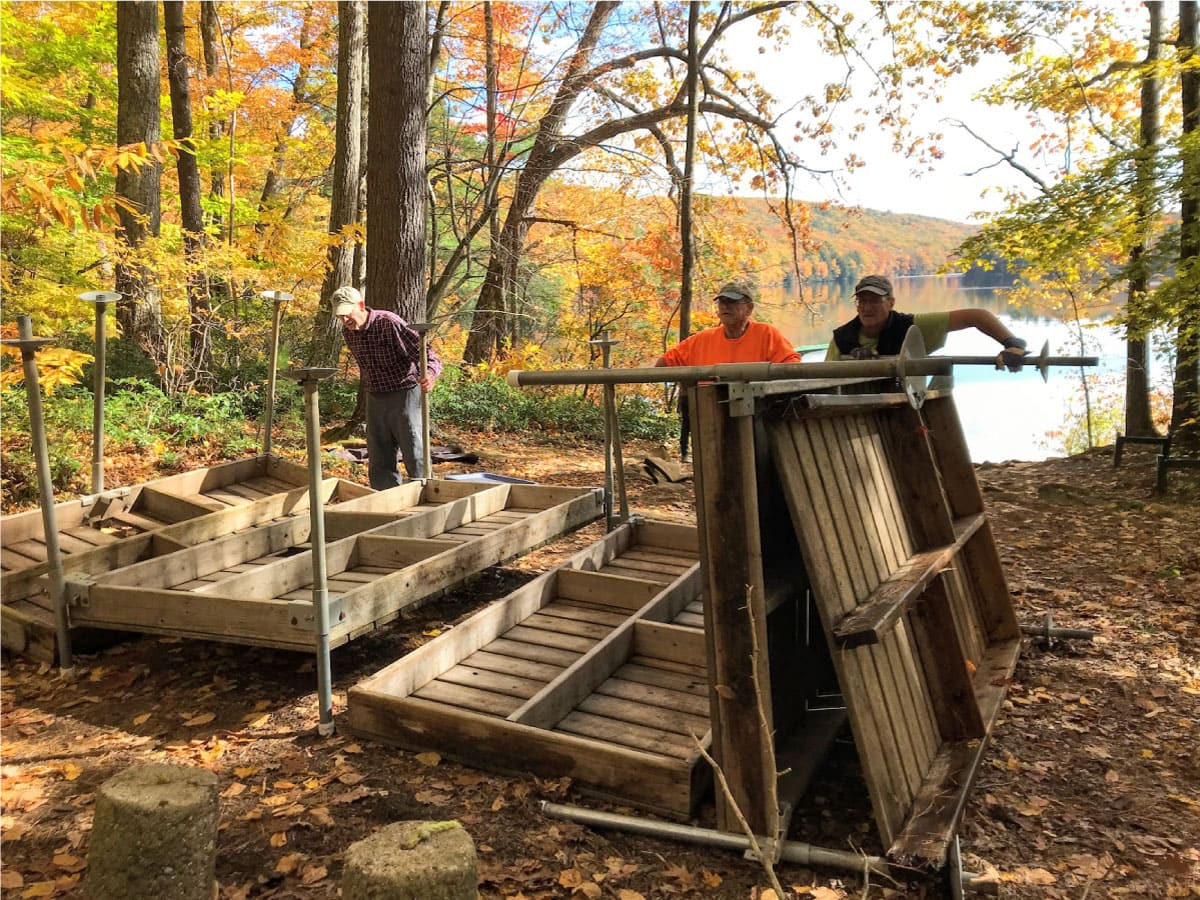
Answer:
(309, 379)
(796, 852)
(101, 299)
(29, 346)
(884, 367)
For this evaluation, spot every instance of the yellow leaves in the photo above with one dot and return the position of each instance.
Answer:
(288, 863)
(57, 367)
(196, 721)
(1028, 875)
(813, 891)
(142, 719)
(70, 771)
(245, 771)
(1034, 806)
(10, 880)
(429, 759)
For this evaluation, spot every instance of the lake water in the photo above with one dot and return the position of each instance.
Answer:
(1005, 415)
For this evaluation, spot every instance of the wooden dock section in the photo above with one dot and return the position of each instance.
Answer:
(122, 546)
(385, 552)
(887, 527)
(117, 527)
(595, 670)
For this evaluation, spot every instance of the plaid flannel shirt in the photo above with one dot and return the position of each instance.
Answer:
(388, 353)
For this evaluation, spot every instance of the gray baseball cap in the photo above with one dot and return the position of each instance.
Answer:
(738, 290)
(874, 284)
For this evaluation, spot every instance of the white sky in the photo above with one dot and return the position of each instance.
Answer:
(889, 181)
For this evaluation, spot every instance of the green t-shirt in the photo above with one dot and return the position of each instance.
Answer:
(934, 327)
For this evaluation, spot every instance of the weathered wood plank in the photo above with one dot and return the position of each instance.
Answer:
(508, 665)
(129, 608)
(93, 536)
(939, 804)
(651, 695)
(582, 612)
(674, 721)
(731, 561)
(641, 673)
(171, 508)
(664, 641)
(668, 535)
(537, 652)
(812, 516)
(495, 744)
(497, 683)
(439, 572)
(627, 734)
(610, 590)
(468, 698)
(211, 556)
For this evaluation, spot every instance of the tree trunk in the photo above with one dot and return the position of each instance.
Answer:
(488, 326)
(687, 245)
(138, 111)
(1185, 407)
(300, 99)
(1137, 356)
(199, 307)
(343, 207)
(396, 183)
(360, 249)
(210, 37)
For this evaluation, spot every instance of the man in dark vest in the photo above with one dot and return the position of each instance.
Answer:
(878, 330)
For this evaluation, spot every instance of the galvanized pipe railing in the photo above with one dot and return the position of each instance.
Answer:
(884, 367)
(309, 379)
(29, 346)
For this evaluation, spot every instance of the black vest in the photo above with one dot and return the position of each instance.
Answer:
(890, 339)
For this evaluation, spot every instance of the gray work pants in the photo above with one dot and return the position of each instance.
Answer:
(394, 425)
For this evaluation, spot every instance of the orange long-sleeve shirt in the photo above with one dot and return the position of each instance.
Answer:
(760, 343)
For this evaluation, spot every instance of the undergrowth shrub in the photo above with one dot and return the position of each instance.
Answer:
(484, 401)
(137, 416)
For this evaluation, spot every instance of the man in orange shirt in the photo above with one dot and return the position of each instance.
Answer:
(737, 339)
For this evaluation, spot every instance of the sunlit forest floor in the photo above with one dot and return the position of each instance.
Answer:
(1091, 786)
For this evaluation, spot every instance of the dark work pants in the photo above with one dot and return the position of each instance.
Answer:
(394, 426)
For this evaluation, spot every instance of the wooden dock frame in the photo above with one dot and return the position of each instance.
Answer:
(594, 671)
(848, 508)
(128, 549)
(874, 507)
(386, 552)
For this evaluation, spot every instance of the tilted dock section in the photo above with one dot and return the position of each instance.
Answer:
(843, 568)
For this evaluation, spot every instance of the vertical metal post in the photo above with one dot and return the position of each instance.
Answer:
(316, 512)
(101, 299)
(422, 329)
(612, 439)
(278, 298)
(37, 434)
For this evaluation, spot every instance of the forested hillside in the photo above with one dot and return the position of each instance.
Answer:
(847, 242)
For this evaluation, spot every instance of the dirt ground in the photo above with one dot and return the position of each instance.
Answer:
(1090, 788)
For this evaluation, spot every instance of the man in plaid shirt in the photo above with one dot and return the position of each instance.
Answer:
(388, 353)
